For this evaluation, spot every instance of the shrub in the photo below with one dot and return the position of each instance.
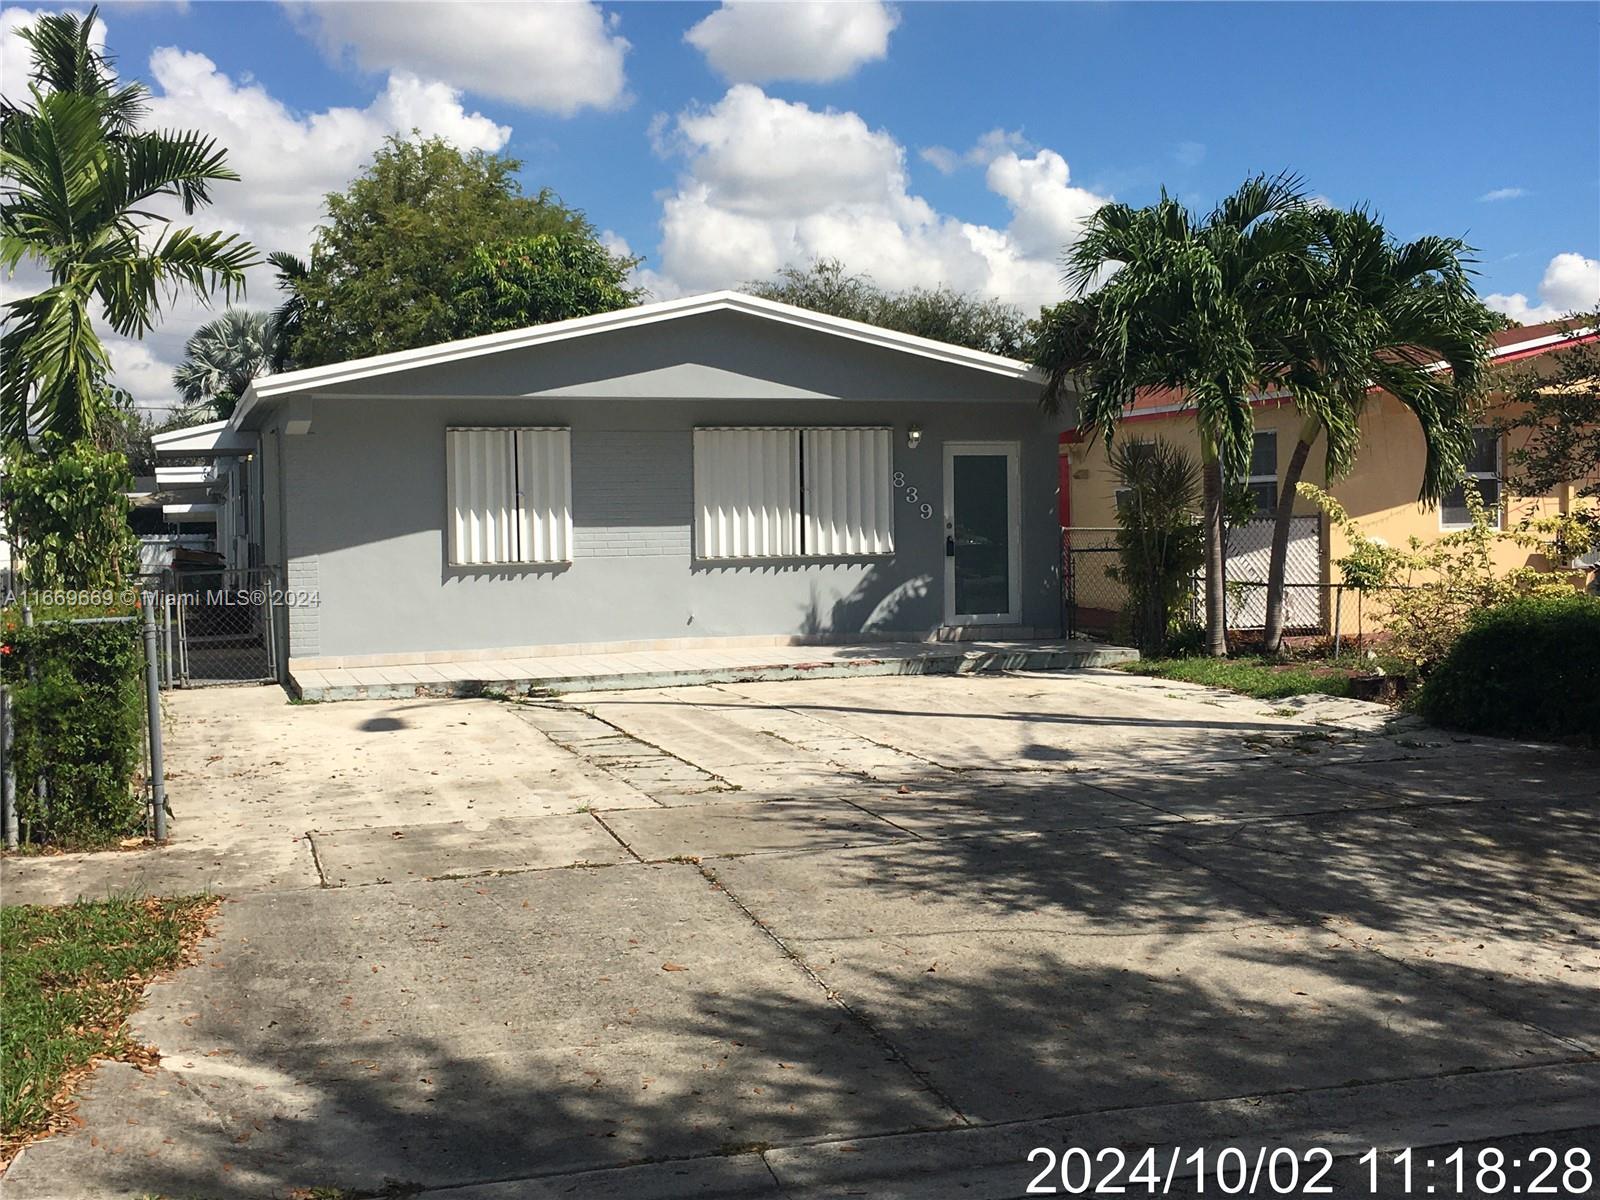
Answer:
(1432, 590)
(1159, 544)
(1526, 668)
(67, 506)
(78, 719)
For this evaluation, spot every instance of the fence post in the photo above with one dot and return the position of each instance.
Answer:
(166, 634)
(41, 789)
(1338, 605)
(152, 700)
(8, 778)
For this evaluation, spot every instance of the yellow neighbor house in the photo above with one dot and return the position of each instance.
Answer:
(1380, 494)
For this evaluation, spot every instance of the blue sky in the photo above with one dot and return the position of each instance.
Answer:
(921, 142)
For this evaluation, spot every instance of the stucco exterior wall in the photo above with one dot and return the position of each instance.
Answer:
(365, 520)
(1381, 493)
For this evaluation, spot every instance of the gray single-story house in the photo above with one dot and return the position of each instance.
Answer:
(714, 467)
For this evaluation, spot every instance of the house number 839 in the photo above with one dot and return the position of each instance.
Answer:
(912, 496)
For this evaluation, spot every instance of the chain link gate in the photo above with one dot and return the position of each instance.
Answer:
(1091, 601)
(219, 625)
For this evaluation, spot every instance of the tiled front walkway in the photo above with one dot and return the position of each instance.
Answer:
(662, 668)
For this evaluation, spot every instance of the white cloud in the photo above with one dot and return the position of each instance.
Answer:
(1189, 154)
(982, 152)
(1505, 193)
(1571, 284)
(287, 162)
(556, 57)
(147, 378)
(768, 183)
(16, 57)
(945, 160)
(805, 41)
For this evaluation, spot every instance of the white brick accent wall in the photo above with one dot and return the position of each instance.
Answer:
(632, 494)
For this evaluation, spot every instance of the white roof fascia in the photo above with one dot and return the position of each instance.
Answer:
(215, 439)
(190, 512)
(269, 386)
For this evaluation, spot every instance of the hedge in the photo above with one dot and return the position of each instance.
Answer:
(79, 722)
(1526, 668)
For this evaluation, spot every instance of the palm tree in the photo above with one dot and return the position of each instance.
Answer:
(1197, 306)
(79, 178)
(1380, 315)
(289, 317)
(223, 356)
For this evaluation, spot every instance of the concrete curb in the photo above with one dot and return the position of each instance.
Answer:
(956, 662)
(991, 1162)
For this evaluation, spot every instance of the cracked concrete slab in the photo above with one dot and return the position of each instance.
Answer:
(400, 853)
(719, 830)
(1328, 903)
(984, 803)
(991, 1163)
(1236, 790)
(1034, 723)
(441, 1033)
(1026, 976)
(1492, 905)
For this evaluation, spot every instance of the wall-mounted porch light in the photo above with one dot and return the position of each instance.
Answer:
(913, 436)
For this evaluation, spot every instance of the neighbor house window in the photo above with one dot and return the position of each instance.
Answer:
(510, 495)
(793, 493)
(1262, 482)
(1482, 472)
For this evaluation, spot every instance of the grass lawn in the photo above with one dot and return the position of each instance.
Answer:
(1264, 678)
(69, 977)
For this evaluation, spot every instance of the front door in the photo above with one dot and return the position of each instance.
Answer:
(982, 526)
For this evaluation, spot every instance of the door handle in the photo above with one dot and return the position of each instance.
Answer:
(950, 547)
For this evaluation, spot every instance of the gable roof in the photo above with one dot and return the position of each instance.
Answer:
(1507, 345)
(272, 387)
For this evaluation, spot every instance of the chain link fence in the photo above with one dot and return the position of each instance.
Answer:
(1094, 601)
(88, 697)
(218, 625)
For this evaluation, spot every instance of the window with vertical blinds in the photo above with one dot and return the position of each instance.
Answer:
(793, 492)
(509, 495)
(747, 493)
(848, 491)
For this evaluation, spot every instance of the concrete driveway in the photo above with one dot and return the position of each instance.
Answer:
(839, 937)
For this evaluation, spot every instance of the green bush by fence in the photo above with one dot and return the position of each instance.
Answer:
(1526, 668)
(78, 722)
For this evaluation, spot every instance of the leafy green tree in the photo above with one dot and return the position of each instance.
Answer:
(941, 313)
(1375, 313)
(79, 178)
(223, 356)
(67, 512)
(1559, 408)
(534, 280)
(1196, 305)
(384, 265)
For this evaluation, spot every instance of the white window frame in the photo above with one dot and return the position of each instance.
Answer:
(1496, 475)
(864, 517)
(1254, 481)
(537, 509)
